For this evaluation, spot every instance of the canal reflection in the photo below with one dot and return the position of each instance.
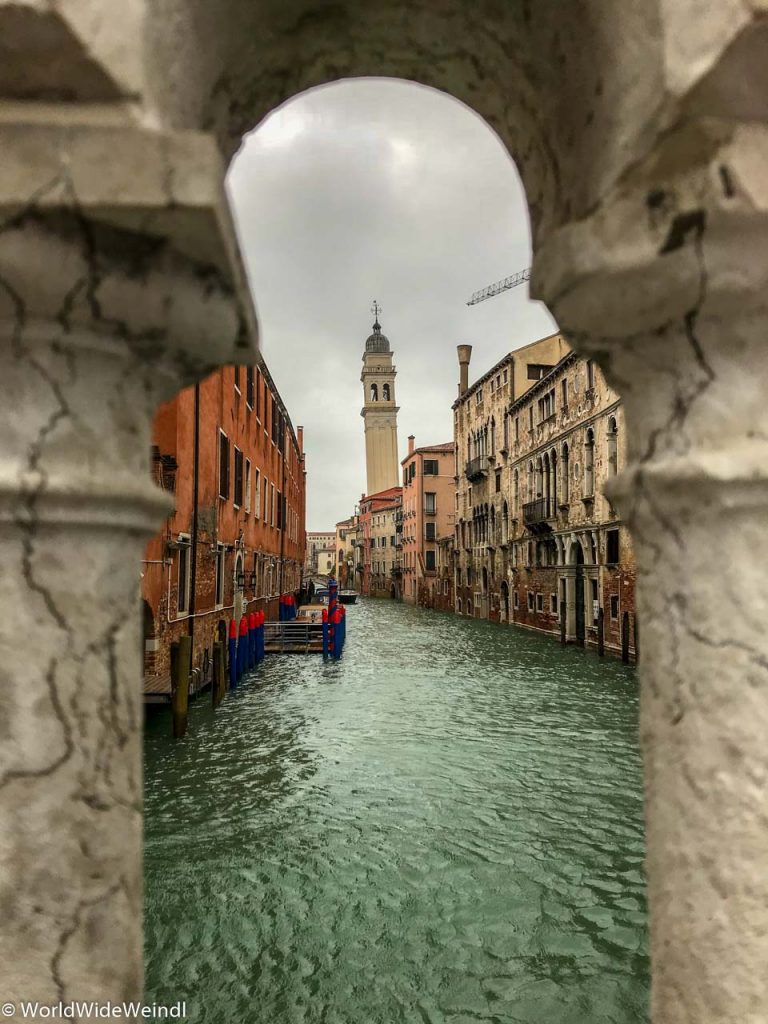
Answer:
(444, 826)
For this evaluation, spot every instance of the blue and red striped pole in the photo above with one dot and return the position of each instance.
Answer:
(252, 620)
(232, 654)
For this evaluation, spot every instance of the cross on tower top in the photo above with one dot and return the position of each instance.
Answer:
(376, 309)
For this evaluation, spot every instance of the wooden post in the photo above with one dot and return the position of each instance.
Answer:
(181, 656)
(601, 632)
(563, 617)
(625, 638)
(216, 690)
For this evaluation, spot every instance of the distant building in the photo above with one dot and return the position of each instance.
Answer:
(379, 412)
(317, 542)
(428, 514)
(228, 453)
(346, 533)
(377, 517)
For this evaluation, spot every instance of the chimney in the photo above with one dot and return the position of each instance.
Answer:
(300, 438)
(411, 443)
(465, 354)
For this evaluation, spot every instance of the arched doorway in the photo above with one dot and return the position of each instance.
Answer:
(504, 601)
(575, 594)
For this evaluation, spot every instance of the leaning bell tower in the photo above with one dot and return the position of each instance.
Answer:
(379, 411)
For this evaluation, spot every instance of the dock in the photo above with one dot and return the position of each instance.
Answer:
(293, 637)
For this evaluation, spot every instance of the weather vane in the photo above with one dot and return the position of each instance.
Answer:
(376, 309)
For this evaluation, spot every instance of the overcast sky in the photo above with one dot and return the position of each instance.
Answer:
(382, 190)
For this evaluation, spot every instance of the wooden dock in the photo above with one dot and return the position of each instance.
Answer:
(293, 637)
(157, 689)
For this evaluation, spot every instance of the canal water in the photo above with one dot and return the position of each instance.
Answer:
(445, 826)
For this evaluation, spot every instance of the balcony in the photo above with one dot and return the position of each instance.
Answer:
(537, 514)
(477, 468)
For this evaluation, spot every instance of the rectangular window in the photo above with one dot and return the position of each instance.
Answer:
(238, 495)
(530, 417)
(517, 428)
(516, 600)
(614, 606)
(182, 600)
(539, 602)
(274, 420)
(498, 480)
(537, 370)
(531, 599)
(247, 485)
(564, 394)
(430, 561)
(256, 493)
(504, 376)
(272, 504)
(219, 575)
(430, 503)
(258, 394)
(223, 465)
(430, 467)
(266, 502)
(249, 389)
(553, 603)
(430, 528)
(612, 547)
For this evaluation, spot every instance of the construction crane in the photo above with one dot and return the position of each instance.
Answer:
(500, 286)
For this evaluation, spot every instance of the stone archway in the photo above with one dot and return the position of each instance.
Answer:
(638, 131)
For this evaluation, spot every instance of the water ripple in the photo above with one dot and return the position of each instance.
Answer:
(445, 827)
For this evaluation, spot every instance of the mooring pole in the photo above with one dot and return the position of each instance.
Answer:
(180, 662)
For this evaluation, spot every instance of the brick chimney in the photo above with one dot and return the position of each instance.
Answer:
(465, 354)
(411, 443)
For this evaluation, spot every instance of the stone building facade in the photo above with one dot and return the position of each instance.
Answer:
(377, 522)
(318, 543)
(428, 501)
(344, 569)
(540, 544)
(228, 454)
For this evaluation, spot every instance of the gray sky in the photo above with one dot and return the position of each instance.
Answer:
(377, 189)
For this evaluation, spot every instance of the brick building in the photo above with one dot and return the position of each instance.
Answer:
(537, 541)
(428, 515)
(235, 541)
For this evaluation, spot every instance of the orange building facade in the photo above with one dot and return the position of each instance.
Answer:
(235, 541)
(428, 515)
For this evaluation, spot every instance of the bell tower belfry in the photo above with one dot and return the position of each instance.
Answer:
(379, 411)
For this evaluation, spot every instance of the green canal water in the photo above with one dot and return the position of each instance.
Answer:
(445, 826)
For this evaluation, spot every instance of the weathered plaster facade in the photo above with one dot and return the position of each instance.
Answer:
(428, 503)
(639, 131)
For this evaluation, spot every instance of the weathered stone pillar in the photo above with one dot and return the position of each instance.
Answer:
(98, 322)
(681, 270)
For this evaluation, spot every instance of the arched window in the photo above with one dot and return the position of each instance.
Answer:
(458, 606)
(385, 392)
(531, 494)
(493, 436)
(493, 525)
(613, 448)
(589, 464)
(504, 523)
(516, 505)
(539, 478)
(553, 484)
(506, 430)
(566, 471)
(374, 392)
